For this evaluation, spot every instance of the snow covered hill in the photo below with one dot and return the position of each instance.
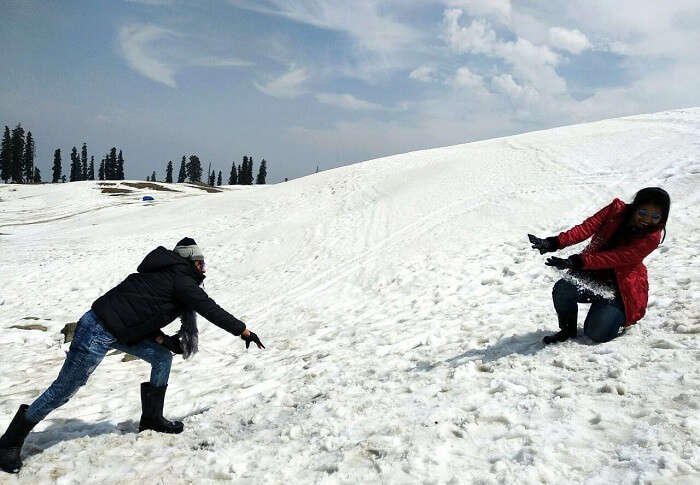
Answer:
(402, 309)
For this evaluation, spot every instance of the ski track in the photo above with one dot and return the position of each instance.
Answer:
(403, 310)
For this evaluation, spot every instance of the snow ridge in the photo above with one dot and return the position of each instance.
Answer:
(402, 308)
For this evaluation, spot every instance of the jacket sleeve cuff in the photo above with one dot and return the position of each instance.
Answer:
(558, 242)
(576, 261)
(554, 241)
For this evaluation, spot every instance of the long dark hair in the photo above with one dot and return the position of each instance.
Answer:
(653, 195)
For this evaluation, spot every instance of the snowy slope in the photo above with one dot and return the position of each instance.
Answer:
(402, 309)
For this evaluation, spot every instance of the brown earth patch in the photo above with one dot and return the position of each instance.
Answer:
(68, 331)
(148, 185)
(203, 186)
(33, 326)
(114, 190)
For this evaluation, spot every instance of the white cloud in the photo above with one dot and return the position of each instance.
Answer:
(534, 64)
(464, 78)
(573, 41)
(347, 101)
(499, 9)
(222, 62)
(425, 74)
(506, 84)
(289, 85)
(478, 38)
(135, 41)
(368, 22)
(159, 53)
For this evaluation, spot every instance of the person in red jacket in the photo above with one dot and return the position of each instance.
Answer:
(609, 272)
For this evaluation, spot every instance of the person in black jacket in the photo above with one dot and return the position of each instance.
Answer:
(129, 318)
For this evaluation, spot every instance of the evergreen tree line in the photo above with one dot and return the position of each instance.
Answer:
(111, 167)
(17, 157)
(191, 169)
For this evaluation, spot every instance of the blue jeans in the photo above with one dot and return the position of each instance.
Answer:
(604, 319)
(89, 346)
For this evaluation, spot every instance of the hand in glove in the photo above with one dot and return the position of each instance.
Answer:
(546, 245)
(249, 337)
(572, 262)
(172, 343)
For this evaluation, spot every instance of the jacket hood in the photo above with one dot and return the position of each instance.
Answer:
(160, 259)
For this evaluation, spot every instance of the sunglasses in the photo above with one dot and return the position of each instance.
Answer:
(645, 213)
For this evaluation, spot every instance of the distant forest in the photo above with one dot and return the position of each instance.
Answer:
(18, 165)
(191, 169)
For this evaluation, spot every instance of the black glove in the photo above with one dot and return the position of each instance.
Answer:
(547, 245)
(172, 343)
(572, 262)
(252, 338)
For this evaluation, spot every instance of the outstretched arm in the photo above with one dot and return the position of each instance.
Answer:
(631, 253)
(584, 230)
(194, 298)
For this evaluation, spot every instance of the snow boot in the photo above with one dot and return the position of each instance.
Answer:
(152, 399)
(13, 439)
(568, 330)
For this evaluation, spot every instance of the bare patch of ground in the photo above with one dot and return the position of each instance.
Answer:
(148, 185)
(203, 186)
(115, 190)
(33, 326)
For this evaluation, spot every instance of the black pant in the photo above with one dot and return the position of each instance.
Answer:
(604, 319)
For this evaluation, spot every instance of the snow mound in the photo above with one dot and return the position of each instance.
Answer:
(402, 308)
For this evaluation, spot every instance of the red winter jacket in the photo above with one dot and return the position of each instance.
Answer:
(625, 260)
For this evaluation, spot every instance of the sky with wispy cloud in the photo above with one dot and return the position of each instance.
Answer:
(310, 83)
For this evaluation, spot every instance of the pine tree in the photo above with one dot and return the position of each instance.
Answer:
(63, 178)
(148, 179)
(28, 158)
(218, 180)
(182, 175)
(83, 162)
(111, 165)
(249, 173)
(17, 154)
(244, 170)
(212, 178)
(194, 169)
(262, 173)
(153, 177)
(233, 177)
(57, 169)
(120, 166)
(74, 165)
(169, 173)
(101, 171)
(6, 156)
(91, 168)
(106, 172)
(37, 175)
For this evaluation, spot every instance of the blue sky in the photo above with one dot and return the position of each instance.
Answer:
(327, 83)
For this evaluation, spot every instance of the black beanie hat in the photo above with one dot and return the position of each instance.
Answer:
(188, 249)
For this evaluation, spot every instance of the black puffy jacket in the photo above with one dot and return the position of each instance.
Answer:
(165, 286)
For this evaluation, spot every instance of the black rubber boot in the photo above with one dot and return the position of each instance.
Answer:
(152, 399)
(568, 330)
(12, 441)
